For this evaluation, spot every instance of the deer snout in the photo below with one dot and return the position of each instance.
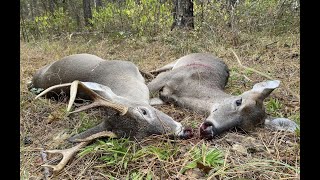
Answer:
(187, 133)
(207, 130)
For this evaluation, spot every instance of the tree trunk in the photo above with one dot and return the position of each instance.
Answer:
(183, 14)
(87, 13)
(32, 9)
(73, 7)
(22, 26)
(202, 14)
(98, 4)
(51, 6)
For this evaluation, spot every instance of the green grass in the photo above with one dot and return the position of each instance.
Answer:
(295, 117)
(204, 158)
(274, 106)
(119, 152)
(87, 121)
(139, 176)
(115, 151)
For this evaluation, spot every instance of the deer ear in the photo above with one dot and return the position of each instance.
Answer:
(265, 88)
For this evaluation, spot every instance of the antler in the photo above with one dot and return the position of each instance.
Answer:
(68, 153)
(97, 99)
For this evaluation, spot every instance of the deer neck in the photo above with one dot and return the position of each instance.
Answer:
(217, 96)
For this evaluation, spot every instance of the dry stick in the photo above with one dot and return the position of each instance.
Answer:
(264, 75)
(270, 44)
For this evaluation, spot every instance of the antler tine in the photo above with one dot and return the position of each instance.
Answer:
(98, 100)
(51, 88)
(69, 153)
(73, 93)
(97, 135)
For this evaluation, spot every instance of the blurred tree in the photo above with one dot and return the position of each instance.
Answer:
(73, 7)
(33, 8)
(183, 14)
(51, 5)
(98, 4)
(87, 13)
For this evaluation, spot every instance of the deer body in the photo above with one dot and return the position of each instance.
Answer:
(120, 82)
(197, 81)
(194, 82)
(91, 68)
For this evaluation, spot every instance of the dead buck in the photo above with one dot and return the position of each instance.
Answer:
(197, 81)
(116, 85)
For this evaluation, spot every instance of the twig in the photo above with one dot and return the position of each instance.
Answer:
(270, 44)
(248, 79)
(248, 68)
(264, 75)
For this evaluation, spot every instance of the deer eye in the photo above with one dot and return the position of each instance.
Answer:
(239, 102)
(144, 112)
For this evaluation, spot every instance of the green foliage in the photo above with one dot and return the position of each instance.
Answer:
(161, 153)
(274, 16)
(147, 17)
(115, 151)
(120, 152)
(87, 122)
(204, 157)
(295, 117)
(139, 176)
(50, 23)
(122, 19)
(273, 107)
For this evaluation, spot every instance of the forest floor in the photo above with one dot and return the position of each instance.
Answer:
(260, 154)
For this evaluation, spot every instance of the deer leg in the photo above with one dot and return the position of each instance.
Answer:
(160, 81)
(283, 124)
(164, 68)
(156, 101)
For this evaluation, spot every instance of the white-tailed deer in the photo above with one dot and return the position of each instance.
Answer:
(197, 81)
(116, 85)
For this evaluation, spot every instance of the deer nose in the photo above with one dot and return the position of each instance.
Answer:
(187, 133)
(206, 130)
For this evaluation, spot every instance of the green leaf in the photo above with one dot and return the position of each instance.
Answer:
(191, 165)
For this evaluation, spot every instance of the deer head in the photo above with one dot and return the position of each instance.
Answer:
(244, 111)
(134, 119)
